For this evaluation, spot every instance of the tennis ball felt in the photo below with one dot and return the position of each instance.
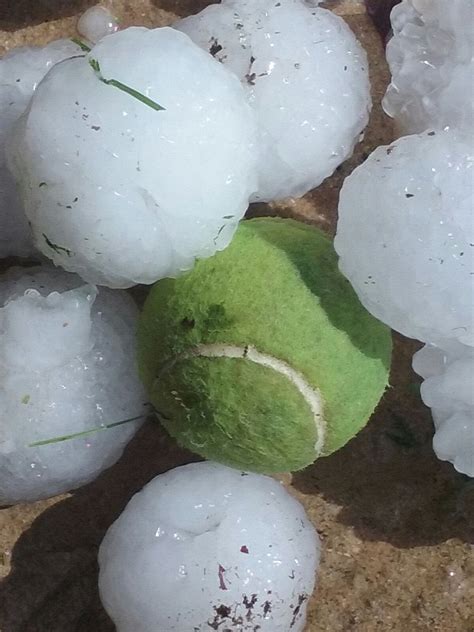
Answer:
(262, 357)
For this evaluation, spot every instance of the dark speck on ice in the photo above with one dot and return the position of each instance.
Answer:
(250, 604)
(223, 611)
(222, 584)
(296, 611)
(251, 78)
(215, 47)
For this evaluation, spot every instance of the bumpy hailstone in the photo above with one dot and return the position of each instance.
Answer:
(20, 72)
(305, 76)
(96, 23)
(431, 58)
(123, 193)
(207, 547)
(67, 366)
(448, 389)
(405, 236)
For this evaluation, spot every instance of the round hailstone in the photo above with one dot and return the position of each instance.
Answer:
(306, 78)
(15, 237)
(20, 72)
(405, 236)
(123, 192)
(431, 58)
(67, 366)
(448, 390)
(207, 547)
(96, 23)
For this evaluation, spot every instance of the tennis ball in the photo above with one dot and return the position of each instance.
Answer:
(262, 357)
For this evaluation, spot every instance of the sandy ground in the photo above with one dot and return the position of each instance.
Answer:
(397, 525)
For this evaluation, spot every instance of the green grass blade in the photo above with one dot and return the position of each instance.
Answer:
(134, 93)
(94, 64)
(85, 433)
(82, 45)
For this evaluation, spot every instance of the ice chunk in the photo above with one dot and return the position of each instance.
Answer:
(21, 70)
(448, 389)
(25, 67)
(15, 238)
(121, 192)
(207, 547)
(306, 78)
(96, 23)
(67, 365)
(431, 58)
(405, 236)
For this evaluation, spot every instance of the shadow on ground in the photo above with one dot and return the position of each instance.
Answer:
(388, 482)
(183, 7)
(52, 586)
(15, 14)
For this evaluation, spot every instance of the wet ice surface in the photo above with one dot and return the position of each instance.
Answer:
(102, 172)
(448, 389)
(66, 365)
(406, 230)
(96, 23)
(405, 236)
(21, 70)
(306, 78)
(208, 547)
(431, 58)
(15, 237)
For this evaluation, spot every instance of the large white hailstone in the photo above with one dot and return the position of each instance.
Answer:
(431, 58)
(24, 67)
(67, 366)
(448, 389)
(96, 23)
(119, 191)
(204, 547)
(306, 78)
(20, 72)
(15, 237)
(405, 236)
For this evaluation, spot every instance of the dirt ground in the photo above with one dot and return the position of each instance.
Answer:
(397, 525)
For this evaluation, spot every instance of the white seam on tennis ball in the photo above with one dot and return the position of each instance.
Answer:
(312, 396)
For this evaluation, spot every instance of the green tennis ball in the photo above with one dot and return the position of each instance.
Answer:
(262, 357)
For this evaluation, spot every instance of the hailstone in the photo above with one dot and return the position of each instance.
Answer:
(448, 389)
(20, 72)
(207, 547)
(118, 189)
(66, 366)
(96, 23)
(431, 58)
(305, 76)
(405, 236)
